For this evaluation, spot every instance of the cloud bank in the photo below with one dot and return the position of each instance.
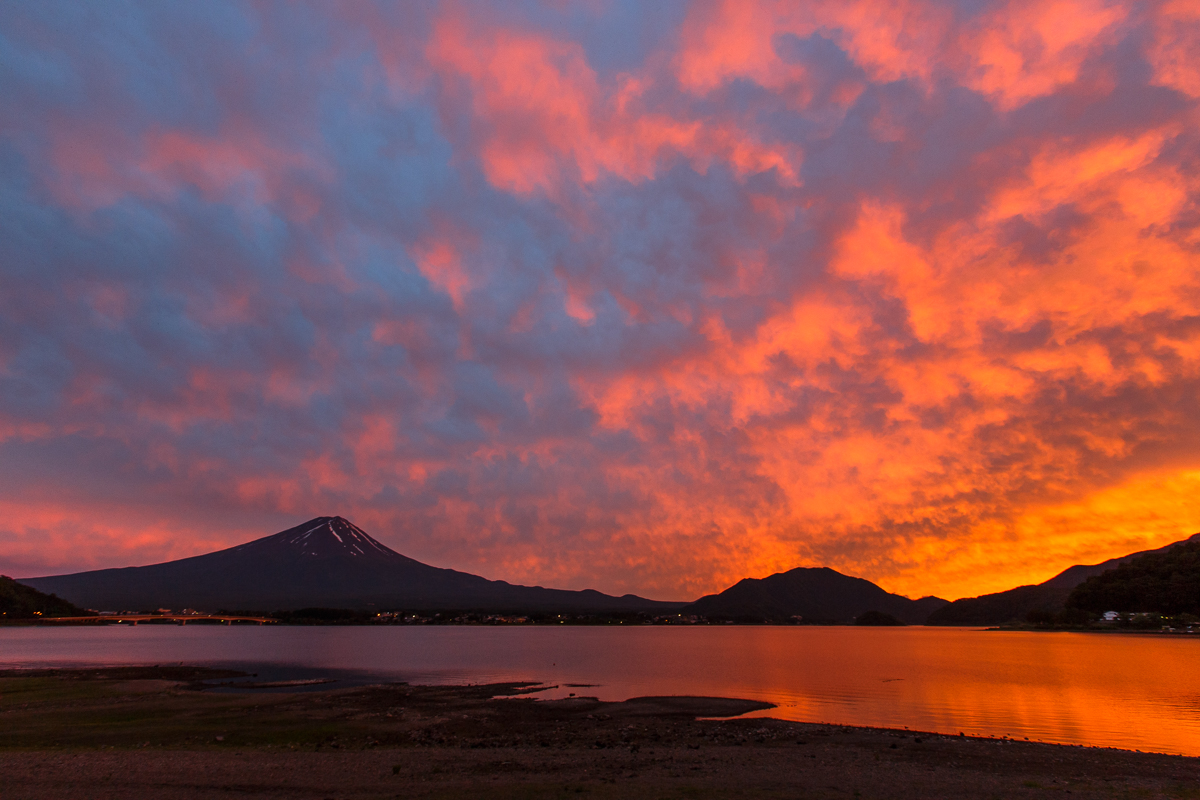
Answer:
(638, 297)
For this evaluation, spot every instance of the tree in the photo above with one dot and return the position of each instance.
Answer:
(1166, 582)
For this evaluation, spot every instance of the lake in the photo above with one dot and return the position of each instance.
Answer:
(1128, 691)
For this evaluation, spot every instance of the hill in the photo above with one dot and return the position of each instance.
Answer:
(1164, 582)
(1016, 604)
(817, 594)
(24, 602)
(326, 562)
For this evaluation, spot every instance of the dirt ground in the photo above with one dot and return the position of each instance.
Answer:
(156, 733)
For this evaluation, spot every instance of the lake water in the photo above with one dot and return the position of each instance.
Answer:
(1129, 691)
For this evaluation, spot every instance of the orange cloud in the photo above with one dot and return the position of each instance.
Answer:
(1176, 49)
(440, 262)
(1022, 51)
(728, 40)
(544, 117)
(909, 290)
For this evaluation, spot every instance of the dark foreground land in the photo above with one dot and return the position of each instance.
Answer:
(157, 732)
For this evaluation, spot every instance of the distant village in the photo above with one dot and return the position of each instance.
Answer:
(405, 618)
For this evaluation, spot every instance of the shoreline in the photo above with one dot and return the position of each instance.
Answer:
(219, 620)
(164, 732)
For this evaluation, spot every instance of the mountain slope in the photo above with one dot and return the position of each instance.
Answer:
(1015, 604)
(328, 562)
(25, 602)
(818, 594)
(1163, 581)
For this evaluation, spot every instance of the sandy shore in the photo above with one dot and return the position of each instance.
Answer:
(154, 733)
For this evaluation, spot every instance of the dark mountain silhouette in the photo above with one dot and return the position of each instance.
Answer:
(25, 602)
(1163, 581)
(326, 562)
(817, 594)
(1016, 604)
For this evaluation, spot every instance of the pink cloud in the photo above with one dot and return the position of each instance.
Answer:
(909, 291)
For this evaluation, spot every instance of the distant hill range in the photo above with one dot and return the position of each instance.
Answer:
(1016, 604)
(816, 594)
(18, 602)
(326, 562)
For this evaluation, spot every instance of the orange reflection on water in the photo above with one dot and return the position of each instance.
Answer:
(1129, 691)
(1114, 690)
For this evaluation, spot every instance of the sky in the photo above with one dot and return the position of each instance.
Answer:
(643, 297)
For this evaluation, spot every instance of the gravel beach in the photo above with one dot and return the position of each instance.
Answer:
(154, 732)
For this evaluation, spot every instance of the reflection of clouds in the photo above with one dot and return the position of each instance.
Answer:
(1068, 688)
(910, 292)
(1109, 691)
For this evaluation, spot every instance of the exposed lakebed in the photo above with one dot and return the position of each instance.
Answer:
(1118, 691)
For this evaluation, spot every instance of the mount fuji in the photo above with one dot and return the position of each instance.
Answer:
(326, 562)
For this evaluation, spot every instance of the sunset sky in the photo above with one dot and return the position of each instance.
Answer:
(639, 296)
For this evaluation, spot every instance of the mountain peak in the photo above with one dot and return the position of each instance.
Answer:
(324, 537)
(814, 593)
(327, 561)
